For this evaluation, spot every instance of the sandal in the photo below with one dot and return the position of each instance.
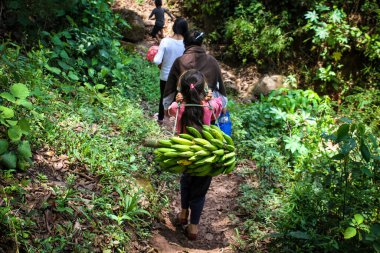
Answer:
(190, 236)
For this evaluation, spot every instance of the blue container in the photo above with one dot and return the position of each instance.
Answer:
(225, 123)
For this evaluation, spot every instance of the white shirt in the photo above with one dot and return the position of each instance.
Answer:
(169, 50)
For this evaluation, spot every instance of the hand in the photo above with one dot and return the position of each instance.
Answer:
(209, 95)
(179, 97)
(224, 110)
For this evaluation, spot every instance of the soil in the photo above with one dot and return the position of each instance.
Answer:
(216, 229)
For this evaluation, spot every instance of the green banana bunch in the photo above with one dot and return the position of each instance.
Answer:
(209, 152)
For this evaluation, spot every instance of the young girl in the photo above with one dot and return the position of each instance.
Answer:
(193, 91)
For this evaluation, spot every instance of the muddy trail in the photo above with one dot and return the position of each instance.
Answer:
(216, 229)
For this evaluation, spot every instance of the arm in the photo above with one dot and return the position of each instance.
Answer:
(216, 103)
(171, 84)
(170, 15)
(160, 53)
(151, 14)
(172, 110)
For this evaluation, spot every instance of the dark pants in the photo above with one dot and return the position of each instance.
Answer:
(193, 194)
(161, 105)
(155, 30)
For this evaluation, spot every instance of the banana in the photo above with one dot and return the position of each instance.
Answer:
(184, 162)
(176, 169)
(217, 143)
(157, 152)
(202, 153)
(165, 150)
(186, 136)
(194, 158)
(202, 161)
(230, 161)
(216, 171)
(211, 159)
(228, 139)
(207, 135)
(215, 127)
(230, 148)
(196, 148)
(201, 141)
(194, 132)
(180, 147)
(170, 161)
(180, 140)
(210, 147)
(230, 168)
(204, 172)
(201, 168)
(218, 152)
(228, 155)
(186, 154)
(172, 154)
(165, 143)
(206, 127)
(218, 135)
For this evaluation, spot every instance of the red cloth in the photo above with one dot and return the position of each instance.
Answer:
(152, 51)
(208, 116)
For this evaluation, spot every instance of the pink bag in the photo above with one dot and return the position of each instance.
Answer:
(152, 51)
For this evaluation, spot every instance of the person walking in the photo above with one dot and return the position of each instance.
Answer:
(159, 14)
(194, 107)
(195, 57)
(170, 49)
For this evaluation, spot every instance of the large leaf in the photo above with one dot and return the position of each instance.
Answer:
(24, 126)
(342, 132)
(24, 149)
(15, 133)
(3, 146)
(364, 150)
(7, 112)
(349, 233)
(20, 90)
(8, 96)
(358, 218)
(24, 103)
(9, 160)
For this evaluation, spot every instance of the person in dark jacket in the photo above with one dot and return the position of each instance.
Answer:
(195, 57)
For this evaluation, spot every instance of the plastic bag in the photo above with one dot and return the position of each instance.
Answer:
(152, 51)
(225, 123)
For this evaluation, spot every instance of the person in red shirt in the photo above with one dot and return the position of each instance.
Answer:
(194, 107)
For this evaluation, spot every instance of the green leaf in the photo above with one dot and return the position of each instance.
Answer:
(9, 160)
(342, 132)
(64, 55)
(3, 146)
(299, 235)
(24, 103)
(73, 76)
(20, 90)
(365, 152)
(24, 126)
(349, 233)
(8, 96)
(24, 149)
(359, 218)
(12, 122)
(15, 133)
(7, 112)
(54, 70)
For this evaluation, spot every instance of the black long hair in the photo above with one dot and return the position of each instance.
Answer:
(181, 27)
(194, 38)
(192, 86)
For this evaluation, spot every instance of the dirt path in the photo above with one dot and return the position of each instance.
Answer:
(216, 230)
